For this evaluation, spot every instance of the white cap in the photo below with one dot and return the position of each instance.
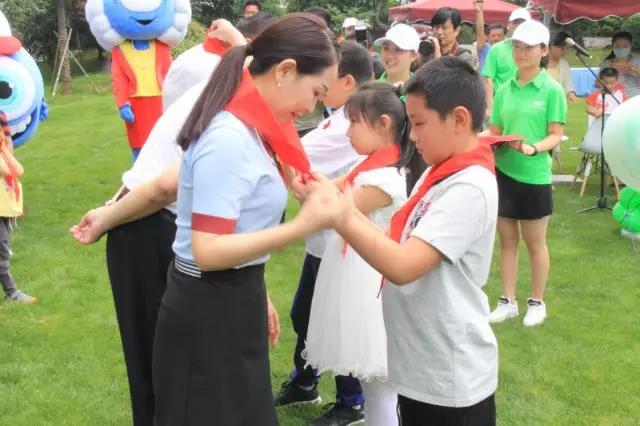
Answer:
(403, 36)
(520, 13)
(532, 33)
(349, 22)
(361, 25)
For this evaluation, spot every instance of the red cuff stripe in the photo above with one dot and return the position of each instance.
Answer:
(212, 224)
(215, 46)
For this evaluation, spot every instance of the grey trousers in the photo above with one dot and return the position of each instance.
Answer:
(8, 284)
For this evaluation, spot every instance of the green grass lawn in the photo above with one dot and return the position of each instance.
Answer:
(61, 359)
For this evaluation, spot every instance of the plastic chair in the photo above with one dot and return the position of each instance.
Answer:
(591, 148)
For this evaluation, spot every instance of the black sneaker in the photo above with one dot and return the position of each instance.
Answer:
(341, 415)
(292, 394)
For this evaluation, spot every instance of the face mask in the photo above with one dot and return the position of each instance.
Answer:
(622, 52)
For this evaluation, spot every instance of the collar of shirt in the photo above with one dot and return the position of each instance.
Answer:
(537, 81)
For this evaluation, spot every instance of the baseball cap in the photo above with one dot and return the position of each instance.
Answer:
(403, 36)
(532, 33)
(349, 22)
(520, 13)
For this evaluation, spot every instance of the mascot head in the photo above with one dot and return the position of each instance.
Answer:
(113, 21)
(21, 87)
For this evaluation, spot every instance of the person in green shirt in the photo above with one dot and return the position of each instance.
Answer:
(399, 49)
(531, 105)
(499, 66)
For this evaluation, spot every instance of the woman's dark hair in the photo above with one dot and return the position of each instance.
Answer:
(559, 39)
(321, 12)
(298, 36)
(375, 99)
(445, 14)
(620, 34)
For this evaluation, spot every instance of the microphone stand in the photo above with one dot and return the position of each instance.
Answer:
(602, 201)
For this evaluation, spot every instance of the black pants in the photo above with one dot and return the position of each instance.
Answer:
(138, 255)
(348, 389)
(211, 355)
(415, 413)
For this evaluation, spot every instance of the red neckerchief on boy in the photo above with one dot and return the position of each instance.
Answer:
(480, 156)
(10, 180)
(250, 108)
(385, 157)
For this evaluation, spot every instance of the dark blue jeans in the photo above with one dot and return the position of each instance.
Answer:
(348, 389)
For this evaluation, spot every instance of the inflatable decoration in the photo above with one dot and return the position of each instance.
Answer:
(621, 143)
(627, 211)
(139, 33)
(21, 87)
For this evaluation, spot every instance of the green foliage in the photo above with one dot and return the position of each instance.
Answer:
(194, 36)
(605, 28)
(33, 22)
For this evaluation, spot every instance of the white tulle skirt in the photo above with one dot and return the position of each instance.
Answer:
(346, 333)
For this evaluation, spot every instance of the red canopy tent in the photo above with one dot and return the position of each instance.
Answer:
(565, 11)
(495, 11)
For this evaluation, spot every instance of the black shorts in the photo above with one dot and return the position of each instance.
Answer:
(522, 201)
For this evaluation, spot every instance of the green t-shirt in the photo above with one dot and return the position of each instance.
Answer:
(527, 111)
(499, 65)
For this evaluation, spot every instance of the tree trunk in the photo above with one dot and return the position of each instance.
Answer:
(65, 76)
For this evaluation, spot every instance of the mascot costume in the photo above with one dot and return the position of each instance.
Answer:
(139, 33)
(21, 87)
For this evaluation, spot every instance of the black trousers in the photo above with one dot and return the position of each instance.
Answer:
(416, 413)
(138, 255)
(211, 354)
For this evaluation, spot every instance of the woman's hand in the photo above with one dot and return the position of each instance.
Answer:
(91, 227)
(300, 188)
(324, 207)
(273, 321)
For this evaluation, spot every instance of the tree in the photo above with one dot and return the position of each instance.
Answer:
(65, 76)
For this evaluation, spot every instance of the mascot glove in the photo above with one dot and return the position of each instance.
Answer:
(44, 111)
(126, 113)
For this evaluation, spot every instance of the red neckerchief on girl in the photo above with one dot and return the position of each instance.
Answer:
(480, 156)
(385, 157)
(10, 179)
(250, 108)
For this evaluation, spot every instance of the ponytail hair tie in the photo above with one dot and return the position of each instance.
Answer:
(399, 91)
(248, 49)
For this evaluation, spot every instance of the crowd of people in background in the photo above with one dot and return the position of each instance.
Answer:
(401, 197)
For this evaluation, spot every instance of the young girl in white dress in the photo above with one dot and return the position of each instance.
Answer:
(346, 332)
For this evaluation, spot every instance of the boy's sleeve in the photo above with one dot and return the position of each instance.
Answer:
(222, 181)
(454, 221)
(593, 98)
(557, 105)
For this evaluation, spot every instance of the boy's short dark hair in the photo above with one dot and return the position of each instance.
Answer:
(496, 27)
(608, 72)
(253, 25)
(449, 82)
(355, 61)
(321, 12)
(252, 3)
(444, 14)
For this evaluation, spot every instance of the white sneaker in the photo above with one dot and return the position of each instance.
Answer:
(503, 311)
(536, 313)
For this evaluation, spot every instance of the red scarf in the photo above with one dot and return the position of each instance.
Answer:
(480, 156)
(250, 108)
(385, 157)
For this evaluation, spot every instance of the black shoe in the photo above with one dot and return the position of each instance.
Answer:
(292, 394)
(341, 415)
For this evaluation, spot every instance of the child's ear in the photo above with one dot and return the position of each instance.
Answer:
(350, 83)
(385, 122)
(462, 119)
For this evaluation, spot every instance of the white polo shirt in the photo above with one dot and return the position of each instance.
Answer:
(161, 149)
(330, 153)
(441, 349)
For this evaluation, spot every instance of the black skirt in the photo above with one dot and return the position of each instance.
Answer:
(211, 359)
(523, 201)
